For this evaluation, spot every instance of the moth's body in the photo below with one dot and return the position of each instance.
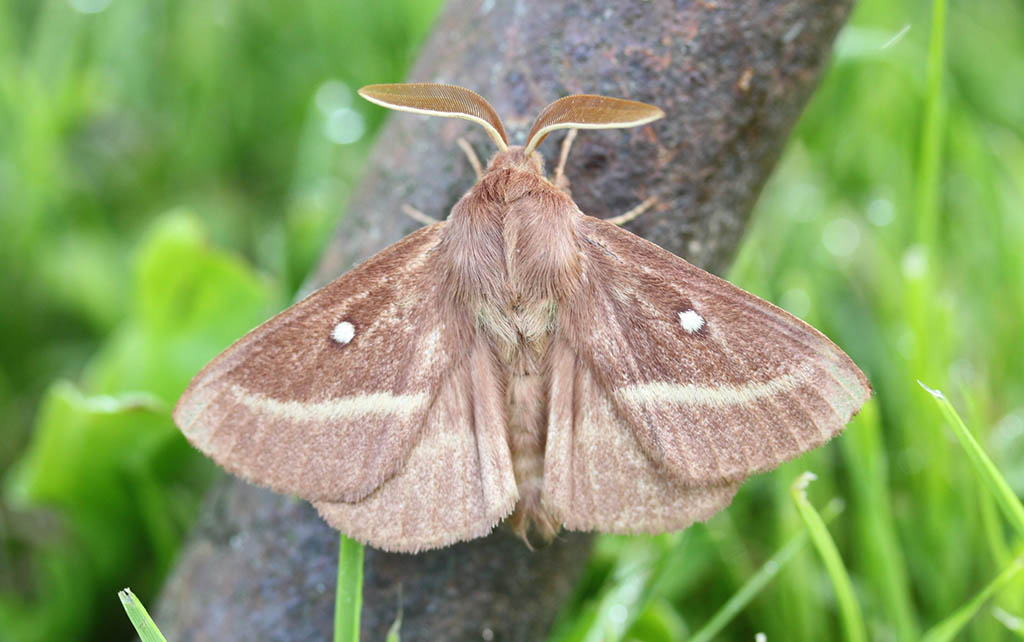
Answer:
(494, 231)
(519, 361)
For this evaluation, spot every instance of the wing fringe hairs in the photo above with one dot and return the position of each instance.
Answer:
(522, 361)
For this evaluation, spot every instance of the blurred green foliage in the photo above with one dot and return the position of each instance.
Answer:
(137, 139)
(157, 159)
(105, 457)
(913, 288)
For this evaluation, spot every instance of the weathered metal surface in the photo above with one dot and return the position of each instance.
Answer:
(732, 78)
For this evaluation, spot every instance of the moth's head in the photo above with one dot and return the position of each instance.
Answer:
(515, 158)
(582, 111)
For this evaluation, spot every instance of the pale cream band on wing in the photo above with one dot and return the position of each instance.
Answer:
(688, 393)
(353, 407)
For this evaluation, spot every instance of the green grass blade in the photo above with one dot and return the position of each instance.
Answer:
(634, 572)
(394, 633)
(948, 628)
(881, 563)
(741, 598)
(932, 132)
(395, 630)
(144, 625)
(348, 599)
(983, 466)
(849, 609)
(1013, 623)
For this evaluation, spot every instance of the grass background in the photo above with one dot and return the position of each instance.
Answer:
(170, 171)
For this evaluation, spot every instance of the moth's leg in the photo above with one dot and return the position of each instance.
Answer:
(622, 219)
(559, 178)
(471, 155)
(417, 215)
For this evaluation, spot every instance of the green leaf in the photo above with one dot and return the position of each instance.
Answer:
(849, 609)
(948, 628)
(1012, 622)
(190, 302)
(395, 630)
(144, 625)
(983, 466)
(882, 565)
(80, 447)
(105, 458)
(932, 133)
(741, 598)
(348, 598)
(658, 622)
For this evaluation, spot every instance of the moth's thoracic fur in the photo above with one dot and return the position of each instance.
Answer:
(519, 361)
(511, 252)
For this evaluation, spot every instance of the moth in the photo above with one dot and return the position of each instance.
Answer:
(519, 361)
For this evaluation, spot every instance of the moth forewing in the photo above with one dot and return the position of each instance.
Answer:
(715, 383)
(295, 406)
(519, 357)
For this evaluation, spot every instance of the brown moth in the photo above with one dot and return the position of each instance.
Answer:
(519, 359)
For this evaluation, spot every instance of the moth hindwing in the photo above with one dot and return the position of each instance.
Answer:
(519, 360)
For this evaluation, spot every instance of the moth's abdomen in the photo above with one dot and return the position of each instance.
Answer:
(519, 333)
(527, 434)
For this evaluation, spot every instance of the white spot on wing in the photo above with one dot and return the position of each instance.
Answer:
(691, 321)
(343, 332)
